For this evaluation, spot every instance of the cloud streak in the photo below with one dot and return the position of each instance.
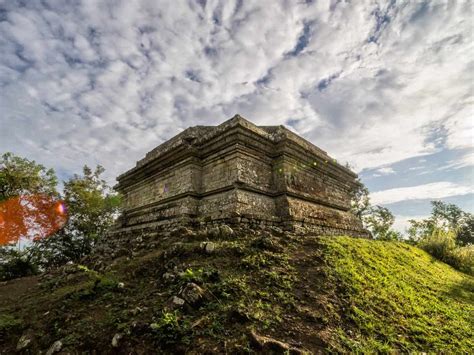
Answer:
(432, 191)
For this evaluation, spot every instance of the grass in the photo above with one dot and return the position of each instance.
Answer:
(7, 322)
(336, 294)
(397, 296)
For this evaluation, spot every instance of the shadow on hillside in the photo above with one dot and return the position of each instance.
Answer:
(463, 291)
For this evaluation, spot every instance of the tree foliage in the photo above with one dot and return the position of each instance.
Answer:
(447, 217)
(92, 208)
(465, 232)
(360, 201)
(447, 234)
(28, 194)
(20, 176)
(379, 221)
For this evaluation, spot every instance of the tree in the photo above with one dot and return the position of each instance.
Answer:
(15, 263)
(360, 201)
(447, 217)
(20, 176)
(417, 230)
(379, 221)
(92, 208)
(30, 207)
(465, 233)
(28, 198)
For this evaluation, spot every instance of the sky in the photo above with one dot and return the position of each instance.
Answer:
(386, 86)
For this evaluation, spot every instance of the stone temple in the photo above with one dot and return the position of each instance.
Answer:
(239, 173)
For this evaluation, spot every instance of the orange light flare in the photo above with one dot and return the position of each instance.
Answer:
(30, 217)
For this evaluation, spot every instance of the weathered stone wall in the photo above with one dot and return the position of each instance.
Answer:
(163, 185)
(256, 204)
(255, 172)
(312, 179)
(218, 173)
(239, 173)
(185, 206)
(218, 205)
(322, 215)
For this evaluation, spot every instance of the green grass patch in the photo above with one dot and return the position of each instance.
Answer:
(397, 297)
(8, 322)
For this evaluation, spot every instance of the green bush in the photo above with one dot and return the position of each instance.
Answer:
(15, 263)
(170, 328)
(8, 324)
(442, 245)
(464, 258)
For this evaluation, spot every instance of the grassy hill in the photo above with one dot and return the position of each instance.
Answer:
(189, 292)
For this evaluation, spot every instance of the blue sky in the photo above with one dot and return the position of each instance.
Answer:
(384, 85)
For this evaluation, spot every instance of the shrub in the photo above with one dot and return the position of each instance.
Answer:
(170, 328)
(442, 245)
(464, 258)
(15, 263)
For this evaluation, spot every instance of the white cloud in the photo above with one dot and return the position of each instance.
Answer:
(464, 161)
(386, 170)
(435, 190)
(104, 82)
(401, 223)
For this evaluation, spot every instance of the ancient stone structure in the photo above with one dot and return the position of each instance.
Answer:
(239, 173)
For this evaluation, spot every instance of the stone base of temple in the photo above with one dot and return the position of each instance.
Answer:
(302, 226)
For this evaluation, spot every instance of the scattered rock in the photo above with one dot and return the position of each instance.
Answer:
(226, 231)
(171, 265)
(24, 341)
(202, 233)
(272, 346)
(266, 243)
(69, 269)
(121, 252)
(214, 232)
(277, 231)
(56, 347)
(137, 310)
(208, 247)
(183, 232)
(192, 293)
(120, 285)
(174, 250)
(168, 276)
(174, 302)
(116, 340)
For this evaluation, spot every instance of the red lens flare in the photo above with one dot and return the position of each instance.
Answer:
(32, 217)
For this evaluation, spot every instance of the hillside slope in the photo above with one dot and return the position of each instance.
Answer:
(241, 292)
